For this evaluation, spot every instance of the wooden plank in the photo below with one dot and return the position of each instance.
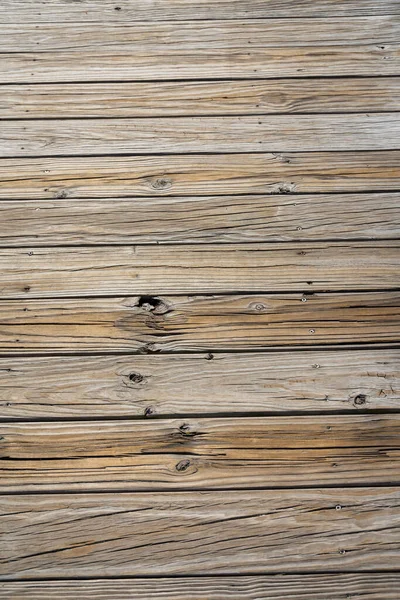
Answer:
(328, 586)
(200, 533)
(216, 268)
(199, 98)
(200, 219)
(277, 382)
(281, 133)
(264, 173)
(127, 11)
(195, 323)
(205, 453)
(199, 49)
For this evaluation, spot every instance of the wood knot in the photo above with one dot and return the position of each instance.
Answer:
(149, 411)
(183, 465)
(153, 304)
(161, 183)
(185, 430)
(136, 378)
(209, 356)
(360, 399)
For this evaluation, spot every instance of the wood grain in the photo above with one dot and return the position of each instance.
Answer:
(329, 586)
(201, 453)
(273, 382)
(199, 98)
(127, 11)
(199, 533)
(199, 219)
(195, 323)
(199, 49)
(281, 133)
(190, 269)
(174, 175)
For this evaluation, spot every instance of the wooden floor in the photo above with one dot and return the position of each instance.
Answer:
(200, 299)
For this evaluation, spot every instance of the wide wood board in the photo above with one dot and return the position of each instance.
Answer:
(315, 530)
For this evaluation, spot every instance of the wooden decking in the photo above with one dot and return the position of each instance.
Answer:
(200, 305)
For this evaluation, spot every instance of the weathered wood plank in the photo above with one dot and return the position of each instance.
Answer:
(270, 173)
(107, 386)
(258, 48)
(207, 269)
(331, 586)
(127, 11)
(201, 453)
(200, 219)
(195, 323)
(191, 533)
(283, 133)
(199, 98)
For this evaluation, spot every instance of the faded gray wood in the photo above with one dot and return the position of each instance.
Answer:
(191, 269)
(199, 219)
(329, 586)
(264, 173)
(281, 133)
(273, 382)
(199, 49)
(198, 533)
(127, 11)
(195, 323)
(200, 453)
(199, 98)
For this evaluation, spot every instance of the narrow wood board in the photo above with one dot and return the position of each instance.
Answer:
(328, 586)
(180, 175)
(127, 11)
(190, 269)
(200, 453)
(199, 219)
(280, 133)
(195, 384)
(194, 323)
(199, 49)
(200, 533)
(200, 98)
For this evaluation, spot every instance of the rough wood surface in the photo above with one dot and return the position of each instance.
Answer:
(174, 175)
(176, 323)
(199, 219)
(273, 382)
(126, 11)
(190, 269)
(199, 98)
(201, 453)
(200, 533)
(281, 133)
(329, 586)
(257, 48)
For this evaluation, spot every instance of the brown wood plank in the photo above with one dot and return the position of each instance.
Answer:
(199, 533)
(273, 382)
(271, 173)
(260, 48)
(127, 11)
(199, 98)
(281, 133)
(196, 219)
(216, 268)
(327, 586)
(195, 323)
(200, 453)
